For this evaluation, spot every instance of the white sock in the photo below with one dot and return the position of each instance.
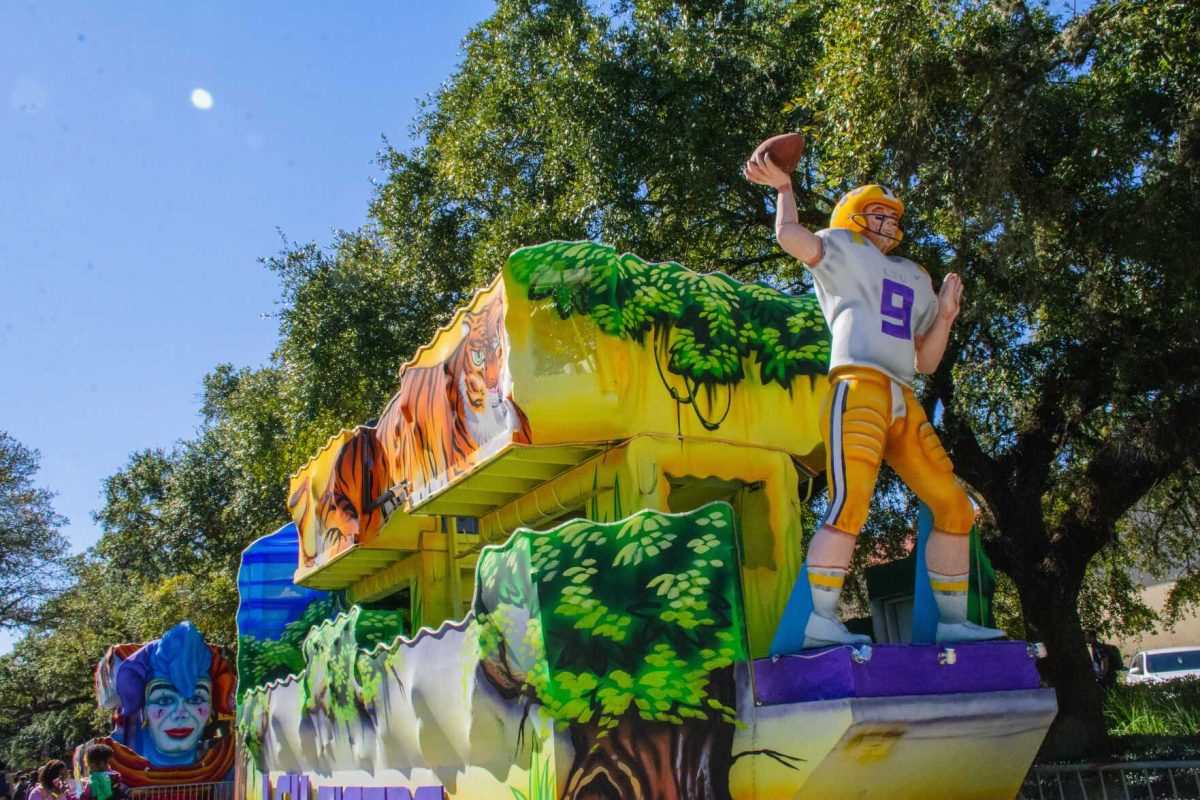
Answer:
(826, 585)
(950, 594)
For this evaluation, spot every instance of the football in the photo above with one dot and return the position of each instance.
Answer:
(785, 150)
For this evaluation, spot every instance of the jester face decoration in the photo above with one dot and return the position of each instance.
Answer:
(166, 697)
(175, 720)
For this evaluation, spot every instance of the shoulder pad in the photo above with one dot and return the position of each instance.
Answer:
(844, 234)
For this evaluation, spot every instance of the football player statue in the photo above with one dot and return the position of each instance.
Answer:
(885, 320)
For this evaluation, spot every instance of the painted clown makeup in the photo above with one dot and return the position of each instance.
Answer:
(175, 722)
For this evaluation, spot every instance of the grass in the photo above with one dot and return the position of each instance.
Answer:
(542, 780)
(1162, 709)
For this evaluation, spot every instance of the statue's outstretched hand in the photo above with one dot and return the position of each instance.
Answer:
(950, 297)
(763, 171)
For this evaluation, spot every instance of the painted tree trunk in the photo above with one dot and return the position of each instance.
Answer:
(655, 760)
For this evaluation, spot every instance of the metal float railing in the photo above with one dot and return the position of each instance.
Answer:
(1133, 780)
(189, 791)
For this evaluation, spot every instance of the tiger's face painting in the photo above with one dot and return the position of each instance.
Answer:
(445, 418)
(483, 378)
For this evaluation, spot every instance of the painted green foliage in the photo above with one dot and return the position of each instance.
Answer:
(330, 657)
(261, 661)
(251, 723)
(602, 619)
(332, 681)
(341, 678)
(713, 321)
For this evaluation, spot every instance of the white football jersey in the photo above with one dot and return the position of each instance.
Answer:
(875, 304)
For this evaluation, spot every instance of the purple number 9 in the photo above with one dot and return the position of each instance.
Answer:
(896, 309)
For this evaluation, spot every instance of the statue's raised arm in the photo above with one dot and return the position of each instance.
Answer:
(771, 165)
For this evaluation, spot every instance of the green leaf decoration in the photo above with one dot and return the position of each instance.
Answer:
(709, 325)
(261, 661)
(605, 619)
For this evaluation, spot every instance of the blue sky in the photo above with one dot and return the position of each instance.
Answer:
(131, 222)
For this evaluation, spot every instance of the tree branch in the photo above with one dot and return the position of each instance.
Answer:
(1127, 466)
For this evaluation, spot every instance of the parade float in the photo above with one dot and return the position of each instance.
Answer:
(173, 710)
(555, 565)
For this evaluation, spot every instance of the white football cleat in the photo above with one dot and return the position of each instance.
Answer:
(826, 632)
(966, 632)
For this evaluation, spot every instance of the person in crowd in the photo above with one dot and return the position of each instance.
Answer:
(52, 783)
(21, 788)
(103, 783)
(1106, 660)
(24, 783)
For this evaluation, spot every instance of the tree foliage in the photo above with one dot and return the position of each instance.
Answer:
(31, 546)
(47, 705)
(623, 124)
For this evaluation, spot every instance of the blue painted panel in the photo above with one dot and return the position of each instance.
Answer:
(269, 599)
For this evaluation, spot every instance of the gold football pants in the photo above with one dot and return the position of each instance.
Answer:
(867, 418)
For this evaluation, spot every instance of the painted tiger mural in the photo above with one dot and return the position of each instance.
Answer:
(443, 420)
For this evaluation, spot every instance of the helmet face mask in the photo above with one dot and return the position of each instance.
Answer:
(850, 214)
(875, 221)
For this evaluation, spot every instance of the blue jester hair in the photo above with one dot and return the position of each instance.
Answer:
(180, 657)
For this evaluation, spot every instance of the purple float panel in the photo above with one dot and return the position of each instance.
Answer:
(374, 793)
(294, 787)
(895, 670)
(398, 793)
(352, 792)
(330, 793)
(430, 793)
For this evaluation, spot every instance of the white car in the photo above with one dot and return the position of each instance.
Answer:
(1164, 664)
